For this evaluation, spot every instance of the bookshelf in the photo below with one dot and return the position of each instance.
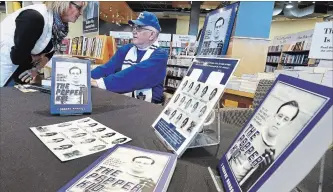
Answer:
(289, 51)
(99, 48)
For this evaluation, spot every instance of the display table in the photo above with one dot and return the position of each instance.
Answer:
(27, 164)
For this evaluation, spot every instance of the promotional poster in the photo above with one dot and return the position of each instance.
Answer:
(91, 17)
(193, 101)
(71, 91)
(322, 41)
(126, 168)
(217, 31)
(79, 138)
(278, 125)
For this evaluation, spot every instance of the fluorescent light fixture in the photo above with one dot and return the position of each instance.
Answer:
(207, 9)
(289, 6)
(313, 2)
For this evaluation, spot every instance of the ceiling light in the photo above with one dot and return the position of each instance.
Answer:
(207, 9)
(313, 2)
(289, 6)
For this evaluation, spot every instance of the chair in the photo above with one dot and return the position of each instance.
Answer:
(239, 116)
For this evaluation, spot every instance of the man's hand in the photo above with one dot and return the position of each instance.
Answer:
(94, 83)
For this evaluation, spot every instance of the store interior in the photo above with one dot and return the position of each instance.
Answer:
(269, 38)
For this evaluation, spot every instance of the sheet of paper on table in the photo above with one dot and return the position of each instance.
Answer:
(74, 139)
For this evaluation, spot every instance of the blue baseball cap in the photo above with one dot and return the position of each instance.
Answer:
(146, 19)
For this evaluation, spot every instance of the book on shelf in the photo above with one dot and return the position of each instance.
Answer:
(126, 168)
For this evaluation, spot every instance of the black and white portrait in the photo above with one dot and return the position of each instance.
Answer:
(79, 135)
(72, 154)
(63, 147)
(202, 111)
(184, 85)
(56, 140)
(188, 103)
(167, 111)
(99, 130)
(280, 118)
(120, 140)
(212, 94)
(215, 33)
(196, 89)
(49, 134)
(184, 123)
(190, 128)
(173, 114)
(178, 118)
(107, 135)
(176, 98)
(84, 120)
(182, 101)
(65, 124)
(195, 106)
(204, 91)
(71, 83)
(190, 87)
(90, 140)
(97, 148)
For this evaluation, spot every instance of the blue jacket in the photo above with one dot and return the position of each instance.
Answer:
(147, 74)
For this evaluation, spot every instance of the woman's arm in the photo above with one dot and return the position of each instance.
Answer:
(29, 28)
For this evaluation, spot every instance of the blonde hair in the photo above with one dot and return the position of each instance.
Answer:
(60, 6)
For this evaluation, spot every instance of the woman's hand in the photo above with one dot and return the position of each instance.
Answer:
(28, 75)
(39, 61)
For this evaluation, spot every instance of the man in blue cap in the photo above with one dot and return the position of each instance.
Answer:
(136, 70)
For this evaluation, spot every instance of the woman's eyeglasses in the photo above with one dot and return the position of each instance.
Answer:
(139, 28)
(79, 7)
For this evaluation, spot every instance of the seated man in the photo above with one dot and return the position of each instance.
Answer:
(136, 70)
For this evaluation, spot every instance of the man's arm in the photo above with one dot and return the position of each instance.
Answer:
(112, 65)
(146, 74)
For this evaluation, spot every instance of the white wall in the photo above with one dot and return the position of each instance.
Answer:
(292, 26)
(183, 25)
(75, 29)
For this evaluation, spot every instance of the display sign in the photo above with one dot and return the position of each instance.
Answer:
(70, 86)
(217, 31)
(193, 102)
(280, 139)
(91, 17)
(121, 35)
(179, 40)
(322, 41)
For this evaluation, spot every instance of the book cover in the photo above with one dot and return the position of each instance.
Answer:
(74, 139)
(79, 46)
(216, 32)
(126, 168)
(280, 138)
(70, 90)
(193, 102)
(74, 45)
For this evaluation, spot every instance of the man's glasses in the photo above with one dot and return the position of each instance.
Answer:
(79, 7)
(140, 28)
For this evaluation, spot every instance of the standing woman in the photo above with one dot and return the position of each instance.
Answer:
(31, 35)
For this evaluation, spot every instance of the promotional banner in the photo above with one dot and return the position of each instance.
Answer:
(178, 40)
(217, 31)
(322, 41)
(193, 101)
(279, 145)
(91, 17)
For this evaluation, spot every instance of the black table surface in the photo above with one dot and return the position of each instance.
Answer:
(26, 164)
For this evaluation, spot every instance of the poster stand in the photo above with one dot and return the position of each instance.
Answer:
(211, 129)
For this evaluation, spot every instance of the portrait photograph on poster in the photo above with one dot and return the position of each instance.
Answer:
(193, 101)
(70, 86)
(275, 129)
(216, 32)
(126, 168)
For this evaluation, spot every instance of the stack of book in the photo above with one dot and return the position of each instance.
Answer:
(276, 48)
(301, 59)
